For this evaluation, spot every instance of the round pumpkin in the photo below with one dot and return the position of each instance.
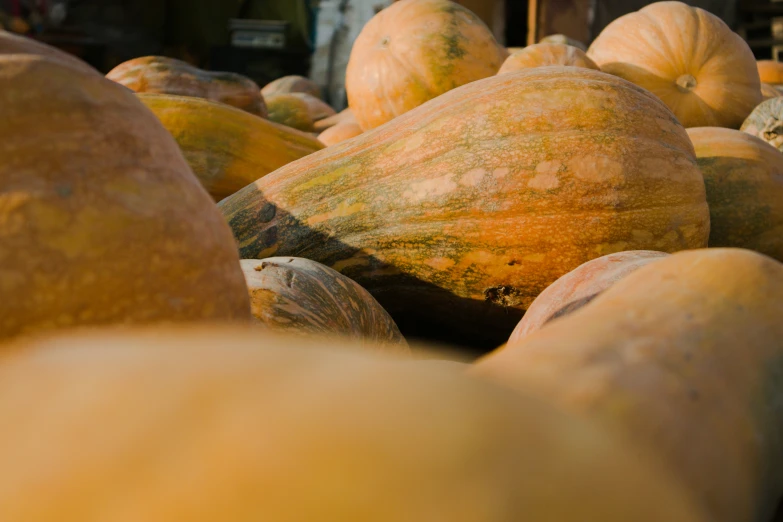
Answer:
(579, 287)
(291, 111)
(769, 91)
(339, 133)
(227, 148)
(101, 219)
(545, 55)
(687, 57)
(564, 40)
(770, 72)
(11, 43)
(224, 425)
(299, 296)
(766, 122)
(290, 84)
(744, 180)
(412, 52)
(163, 75)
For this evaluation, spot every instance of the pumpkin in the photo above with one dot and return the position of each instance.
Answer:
(339, 133)
(11, 43)
(683, 356)
(227, 148)
(318, 110)
(579, 287)
(214, 424)
(163, 75)
(471, 205)
(545, 55)
(765, 122)
(770, 72)
(291, 111)
(101, 219)
(291, 294)
(512, 50)
(770, 91)
(744, 180)
(344, 116)
(687, 57)
(412, 52)
(290, 84)
(563, 40)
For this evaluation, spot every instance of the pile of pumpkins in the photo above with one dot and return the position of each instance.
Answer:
(222, 302)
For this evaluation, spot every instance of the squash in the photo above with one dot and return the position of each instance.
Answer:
(291, 111)
(412, 52)
(684, 356)
(512, 50)
(471, 205)
(766, 122)
(770, 72)
(744, 180)
(163, 75)
(579, 287)
(564, 40)
(299, 296)
(231, 425)
(11, 43)
(318, 110)
(344, 116)
(545, 55)
(291, 84)
(339, 133)
(770, 91)
(227, 148)
(687, 57)
(101, 219)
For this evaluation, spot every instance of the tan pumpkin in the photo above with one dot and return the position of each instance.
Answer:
(223, 425)
(318, 109)
(163, 75)
(684, 355)
(11, 43)
(339, 133)
(299, 296)
(766, 122)
(291, 111)
(769, 91)
(687, 57)
(546, 55)
(227, 148)
(412, 52)
(770, 72)
(291, 84)
(101, 219)
(563, 40)
(744, 180)
(579, 287)
(457, 215)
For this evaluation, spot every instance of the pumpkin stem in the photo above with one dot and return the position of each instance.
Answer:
(772, 129)
(686, 83)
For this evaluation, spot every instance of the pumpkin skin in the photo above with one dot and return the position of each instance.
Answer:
(412, 52)
(339, 133)
(163, 75)
(211, 425)
(770, 72)
(687, 57)
(318, 109)
(579, 287)
(545, 55)
(291, 111)
(291, 84)
(565, 40)
(770, 91)
(299, 296)
(657, 356)
(344, 116)
(227, 148)
(744, 180)
(765, 122)
(11, 43)
(102, 220)
(469, 206)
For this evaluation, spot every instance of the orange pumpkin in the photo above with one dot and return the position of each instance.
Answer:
(318, 109)
(412, 52)
(547, 54)
(744, 180)
(344, 116)
(291, 84)
(579, 287)
(769, 91)
(11, 43)
(291, 111)
(339, 133)
(163, 75)
(770, 72)
(687, 57)
(563, 39)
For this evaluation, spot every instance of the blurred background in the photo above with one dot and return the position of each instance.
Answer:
(267, 39)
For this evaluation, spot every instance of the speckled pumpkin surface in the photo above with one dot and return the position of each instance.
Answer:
(766, 122)
(291, 111)
(299, 296)
(456, 216)
(289, 84)
(11, 43)
(339, 133)
(223, 425)
(412, 52)
(227, 148)
(744, 180)
(579, 287)
(685, 356)
(770, 72)
(546, 55)
(101, 219)
(163, 75)
(563, 39)
(770, 91)
(687, 57)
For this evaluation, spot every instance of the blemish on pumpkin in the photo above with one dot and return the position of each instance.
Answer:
(352, 261)
(342, 210)
(503, 296)
(328, 178)
(596, 169)
(430, 188)
(472, 177)
(546, 176)
(500, 173)
(440, 263)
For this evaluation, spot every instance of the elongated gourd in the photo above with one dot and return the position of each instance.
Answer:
(684, 356)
